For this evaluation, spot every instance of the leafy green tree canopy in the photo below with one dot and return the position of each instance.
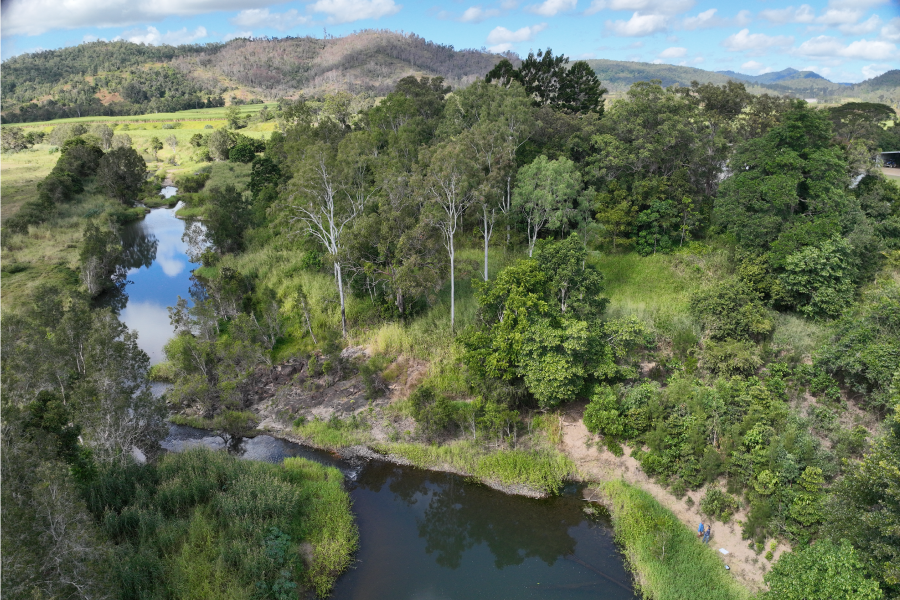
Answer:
(822, 571)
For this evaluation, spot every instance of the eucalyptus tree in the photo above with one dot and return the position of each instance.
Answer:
(330, 188)
(545, 192)
(448, 183)
(496, 122)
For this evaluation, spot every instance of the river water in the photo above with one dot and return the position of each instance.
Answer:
(423, 535)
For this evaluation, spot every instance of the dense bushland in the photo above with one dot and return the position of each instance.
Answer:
(713, 273)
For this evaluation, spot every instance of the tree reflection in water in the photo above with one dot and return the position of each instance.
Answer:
(458, 516)
(138, 250)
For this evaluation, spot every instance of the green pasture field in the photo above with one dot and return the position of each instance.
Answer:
(20, 172)
(213, 114)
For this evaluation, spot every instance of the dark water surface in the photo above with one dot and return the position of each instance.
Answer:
(436, 536)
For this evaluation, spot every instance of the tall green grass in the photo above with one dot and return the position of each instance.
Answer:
(542, 470)
(655, 289)
(203, 524)
(667, 559)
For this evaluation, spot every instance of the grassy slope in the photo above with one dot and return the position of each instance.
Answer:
(668, 560)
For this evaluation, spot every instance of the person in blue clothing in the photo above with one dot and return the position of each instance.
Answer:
(707, 534)
(700, 530)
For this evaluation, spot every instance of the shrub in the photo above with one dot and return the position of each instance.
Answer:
(718, 504)
(730, 310)
(432, 412)
(242, 153)
(602, 413)
(731, 357)
(191, 183)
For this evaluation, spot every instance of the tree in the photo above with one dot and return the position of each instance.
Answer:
(51, 547)
(820, 572)
(545, 192)
(731, 310)
(233, 117)
(197, 140)
(615, 212)
(504, 73)
(228, 218)
(232, 425)
(495, 122)
(172, 142)
(865, 506)
(859, 120)
(863, 348)
(330, 191)
(155, 146)
(448, 184)
(100, 254)
(581, 90)
(122, 173)
(264, 172)
(105, 134)
(538, 325)
(121, 140)
(791, 174)
(544, 76)
(220, 144)
(820, 278)
(242, 152)
(12, 139)
(396, 252)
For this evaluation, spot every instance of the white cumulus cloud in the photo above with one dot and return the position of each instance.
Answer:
(834, 17)
(659, 7)
(549, 8)
(34, 17)
(639, 25)
(261, 17)
(891, 31)
(802, 14)
(867, 26)
(673, 52)
(502, 39)
(829, 47)
(347, 11)
(152, 35)
(755, 43)
(703, 20)
(476, 14)
(870, 71)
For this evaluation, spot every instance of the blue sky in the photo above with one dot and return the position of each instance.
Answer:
(844, 40)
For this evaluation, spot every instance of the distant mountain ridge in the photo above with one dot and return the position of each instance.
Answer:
(120, 78)
(775, 76)
(617, 76)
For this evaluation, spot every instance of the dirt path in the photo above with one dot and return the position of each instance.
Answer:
(599, 465)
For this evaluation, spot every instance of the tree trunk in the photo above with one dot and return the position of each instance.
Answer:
(340, 282)
(452, 285)
(508, 210)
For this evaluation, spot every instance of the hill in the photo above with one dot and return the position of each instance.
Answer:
(122, 78)
(775, 76)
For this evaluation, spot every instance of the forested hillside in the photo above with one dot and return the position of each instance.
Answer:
(618, 76)
(704, 277)
(122, 78)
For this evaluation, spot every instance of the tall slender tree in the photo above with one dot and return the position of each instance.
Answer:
(448, 187)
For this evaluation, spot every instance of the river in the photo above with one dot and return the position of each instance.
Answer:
(423, 535)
